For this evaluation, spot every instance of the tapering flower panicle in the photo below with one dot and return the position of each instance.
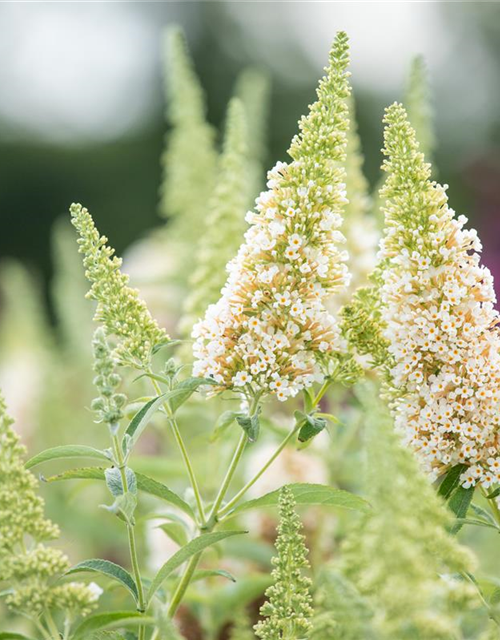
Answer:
(417, 101)
(28, 566)
(270, 332)
(190, 157)
(119, 307)
(401, 557)
(253, 88)
(438, 309)
(225, 220)
(288, 610)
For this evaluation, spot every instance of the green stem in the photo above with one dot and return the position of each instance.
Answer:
(213, 517)
(493, 507)
(183, 585)
(52, 626)
(251, 482)
(184, 454)
(141, 602)
(280, 448)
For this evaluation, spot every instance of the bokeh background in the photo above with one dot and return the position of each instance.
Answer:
(82, 103)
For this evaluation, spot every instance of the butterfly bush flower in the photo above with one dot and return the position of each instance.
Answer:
(270, 332)
(440, 321)
(119, 308)
(30, 568)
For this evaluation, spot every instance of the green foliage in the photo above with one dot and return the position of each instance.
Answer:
(119, 308)
(28, 565)
(400, 557)
(288, 610)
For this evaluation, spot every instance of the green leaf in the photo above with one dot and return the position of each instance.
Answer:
(483, 514)
(109, 569)
(192, 548)
(111, 620)
(473, 521)
(250, 425)
(494, 494)
(144, 483)
(313, 425)
(451, 481)
(494, 598)
(66, 451)
(210, 573)
(223, 422)
(185, 389)
(176, 532)
(7, 635)
(459, 504)
(124, 507)
(114, 482)
(309, 494)
(142, 418)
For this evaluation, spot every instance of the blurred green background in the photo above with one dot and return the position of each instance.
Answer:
(82, 104)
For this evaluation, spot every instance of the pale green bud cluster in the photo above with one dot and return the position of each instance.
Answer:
(362, 325)
(190, 158)
(323, 132)
(288, 611)
(28, 566)
(108, 407)
(400, 557)
(225, 221)
(119, 308)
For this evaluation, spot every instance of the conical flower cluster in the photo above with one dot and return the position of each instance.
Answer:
(288, 610)
(270, 332)
(119, 307)
(401, 557)
(225, 220)
(28, 566)
(438, 309)
(190, 157)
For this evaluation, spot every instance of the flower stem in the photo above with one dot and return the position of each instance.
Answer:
(141, 602)
(266, 466)
(184, 454)
(183, 585)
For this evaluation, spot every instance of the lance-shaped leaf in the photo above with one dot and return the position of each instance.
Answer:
(142, 418)
(109, 569)
(192, 548)
(144, 483)
(66, 451)
(111, 620)
(308, 494)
